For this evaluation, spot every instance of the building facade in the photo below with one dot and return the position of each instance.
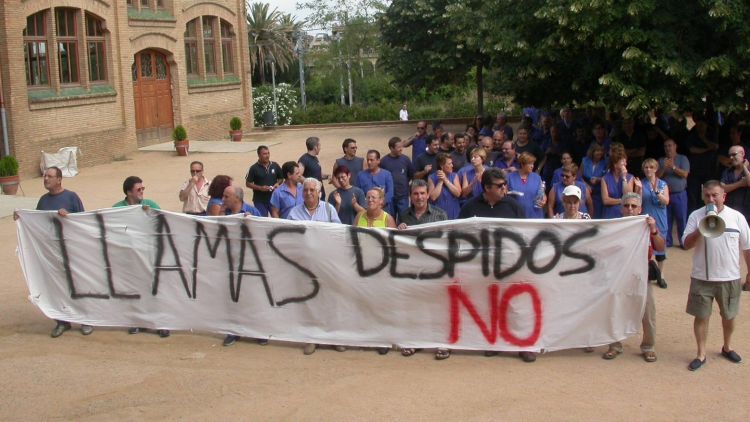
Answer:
(109, 76)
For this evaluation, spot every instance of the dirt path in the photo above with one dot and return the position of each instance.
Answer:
(113, 375)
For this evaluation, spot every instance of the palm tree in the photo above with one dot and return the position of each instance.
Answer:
(271, 38)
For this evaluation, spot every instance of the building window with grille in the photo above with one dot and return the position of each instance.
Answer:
(96, 47)
(35, 49)
(209, 43)
(227, 42)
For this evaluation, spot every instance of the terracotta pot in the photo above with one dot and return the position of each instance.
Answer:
(182, 147)
(236, 135)
(10, 184)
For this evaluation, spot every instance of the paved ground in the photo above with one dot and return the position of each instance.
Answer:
(111, 375)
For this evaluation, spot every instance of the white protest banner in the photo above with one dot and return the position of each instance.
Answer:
(482, 284)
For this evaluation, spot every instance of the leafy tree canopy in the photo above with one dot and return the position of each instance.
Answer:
(636, 55)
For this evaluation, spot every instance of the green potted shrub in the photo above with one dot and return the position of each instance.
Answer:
(235, 124)
(9, 174)
(181, 143)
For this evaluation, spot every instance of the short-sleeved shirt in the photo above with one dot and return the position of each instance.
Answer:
(67, 200)
(402, 171)
(431, 215)
(354, 165)
(425, 160)
(324, 212)
(145, 202)
(283, 200)
(718, 259)
(738, 199)
(382, 179)
(346, 210)
(197, 200)
(261, 175)
(245, 209)
(459, 160)
(479, 207)
(312, 168)
(676, 183)
(532, 148)
(418, 147)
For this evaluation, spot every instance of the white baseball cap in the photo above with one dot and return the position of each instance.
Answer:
(572, 190)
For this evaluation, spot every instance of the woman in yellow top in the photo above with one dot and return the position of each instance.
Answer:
(374, 215)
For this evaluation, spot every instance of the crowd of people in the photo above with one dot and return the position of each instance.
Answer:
(565, 168)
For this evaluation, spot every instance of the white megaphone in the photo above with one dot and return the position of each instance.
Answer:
(711, 225)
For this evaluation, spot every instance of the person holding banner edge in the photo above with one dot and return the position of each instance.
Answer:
(64, 202)
(631, 206)
(133, 189)
(716, 270)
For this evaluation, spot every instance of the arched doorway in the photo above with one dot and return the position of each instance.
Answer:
(152, 92)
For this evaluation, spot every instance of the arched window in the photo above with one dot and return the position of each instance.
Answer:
(77, 33)
(209, 44)
(96, 48)
(209, 47)
(191, 47)
(227, 47)
(35, 49)
(67, 44)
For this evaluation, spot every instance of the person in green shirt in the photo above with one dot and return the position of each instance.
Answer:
(133, 189)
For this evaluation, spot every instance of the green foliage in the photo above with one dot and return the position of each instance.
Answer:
(179, 133)
(235, 123)
(635, 55)
(8, 166)
(379, 112)
(286, 102)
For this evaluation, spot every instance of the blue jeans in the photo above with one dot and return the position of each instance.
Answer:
(677, 212)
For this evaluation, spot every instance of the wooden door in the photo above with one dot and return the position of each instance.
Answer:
(152, 92)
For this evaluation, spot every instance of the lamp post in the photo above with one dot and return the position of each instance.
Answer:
(272, 61)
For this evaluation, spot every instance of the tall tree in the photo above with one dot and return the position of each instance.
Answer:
(271, 38)
(423, 48)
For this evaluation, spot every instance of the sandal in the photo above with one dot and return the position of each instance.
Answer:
(441, 354)
(408, 352)
(611, 354)
(649, 356)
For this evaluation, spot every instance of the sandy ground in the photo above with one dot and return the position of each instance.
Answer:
(113, 375)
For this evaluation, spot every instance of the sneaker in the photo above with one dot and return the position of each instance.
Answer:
(661, 283)
(588, 349)
(262, 341)
(383, 350)
(59, 329)
(86, 329)
(134, 330)
(340, 348)
(527, 356)
(230, 339)
(309, 348)
(163, 333)
(731, 355)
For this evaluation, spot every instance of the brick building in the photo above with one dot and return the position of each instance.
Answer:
(109, 76)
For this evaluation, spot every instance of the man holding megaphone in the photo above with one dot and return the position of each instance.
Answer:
(719, 234)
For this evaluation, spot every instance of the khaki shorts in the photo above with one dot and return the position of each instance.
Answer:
(702, 293)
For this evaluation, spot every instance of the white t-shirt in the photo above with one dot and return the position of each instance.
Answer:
(718, 259)
(403, 114)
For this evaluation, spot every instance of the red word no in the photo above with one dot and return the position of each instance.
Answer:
(498, 320)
